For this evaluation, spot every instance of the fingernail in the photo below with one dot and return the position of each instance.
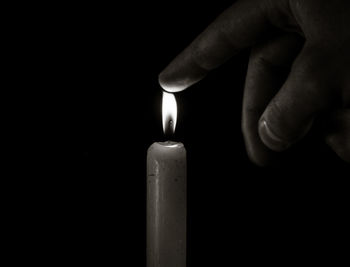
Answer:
(270, 139)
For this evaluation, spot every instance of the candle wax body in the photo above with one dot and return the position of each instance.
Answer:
(166, 205)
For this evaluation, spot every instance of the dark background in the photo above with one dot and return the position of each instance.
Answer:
(104, 106)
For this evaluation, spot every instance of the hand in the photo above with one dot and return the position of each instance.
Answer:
(299, 69)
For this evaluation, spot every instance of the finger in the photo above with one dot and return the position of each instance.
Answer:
(338, 137)
(240, 26)
(269, 65)
(306, 93)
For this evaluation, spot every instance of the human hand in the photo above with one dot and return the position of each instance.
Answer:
(299, 69)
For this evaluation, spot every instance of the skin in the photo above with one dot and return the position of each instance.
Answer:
(298, 72)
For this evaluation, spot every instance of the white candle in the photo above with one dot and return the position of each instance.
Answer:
(166, 197)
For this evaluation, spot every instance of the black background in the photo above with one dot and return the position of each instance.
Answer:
(103, 100)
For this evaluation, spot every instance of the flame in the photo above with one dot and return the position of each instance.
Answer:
(169, 112)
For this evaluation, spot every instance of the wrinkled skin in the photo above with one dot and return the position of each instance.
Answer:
(299, 70)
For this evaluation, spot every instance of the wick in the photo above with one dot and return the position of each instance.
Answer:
(169, 129)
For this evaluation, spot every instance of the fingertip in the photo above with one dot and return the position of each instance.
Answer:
(257, 152)
(281, 125)
(270, 139)
(180, 74)
(261, 158)
(169, 86)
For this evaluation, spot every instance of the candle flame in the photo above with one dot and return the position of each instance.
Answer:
(169, 112)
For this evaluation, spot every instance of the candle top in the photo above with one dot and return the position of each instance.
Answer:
(169, 152)
(171, 144)
(169, 148)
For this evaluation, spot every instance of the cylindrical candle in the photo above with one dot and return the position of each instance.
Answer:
(166, 205)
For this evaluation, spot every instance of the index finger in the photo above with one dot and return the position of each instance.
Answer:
(240, 26)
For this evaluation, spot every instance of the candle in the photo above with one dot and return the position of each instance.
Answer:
(166, 196)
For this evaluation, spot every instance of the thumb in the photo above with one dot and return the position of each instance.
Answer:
(290, 114)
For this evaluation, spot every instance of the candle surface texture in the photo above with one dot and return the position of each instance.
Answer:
(166, 205)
